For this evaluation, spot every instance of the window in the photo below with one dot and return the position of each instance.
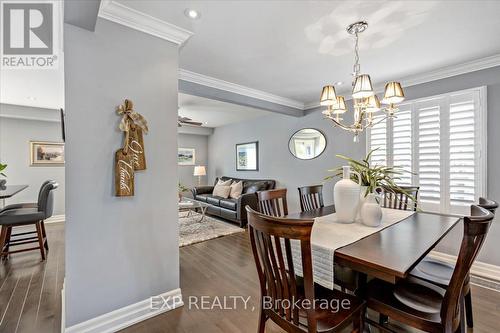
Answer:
(441, 142)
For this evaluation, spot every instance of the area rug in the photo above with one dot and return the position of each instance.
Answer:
(192, 230)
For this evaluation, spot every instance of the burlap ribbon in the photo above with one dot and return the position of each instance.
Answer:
(129, 116)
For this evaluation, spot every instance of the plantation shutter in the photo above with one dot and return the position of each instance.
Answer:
(429, 153)
(463, 151)
(378, 139)
(402, 144)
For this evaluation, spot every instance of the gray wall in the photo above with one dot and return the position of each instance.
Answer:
(15, 134)
(118, 250)
(200, 143)
(276, 162)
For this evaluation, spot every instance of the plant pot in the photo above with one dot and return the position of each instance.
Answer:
(371, 212)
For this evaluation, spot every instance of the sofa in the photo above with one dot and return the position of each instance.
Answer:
(233, 209)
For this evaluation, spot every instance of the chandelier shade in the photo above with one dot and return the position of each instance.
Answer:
(328, 96)
(362, 86)
(393, 93)
(340, 106)
(373, 104)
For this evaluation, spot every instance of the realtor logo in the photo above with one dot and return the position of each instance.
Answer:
(28, 35)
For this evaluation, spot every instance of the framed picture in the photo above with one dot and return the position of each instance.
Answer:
(186, 156)
(46, 153)
(247, 156)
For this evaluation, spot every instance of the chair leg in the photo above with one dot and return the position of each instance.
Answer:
(262, 321)
(7, 240)
(40, 239)
(468, 309)
(3, 238)
(358, 322)
(46, 241)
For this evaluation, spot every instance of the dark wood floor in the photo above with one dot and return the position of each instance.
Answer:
(30, 290)
(224, 267)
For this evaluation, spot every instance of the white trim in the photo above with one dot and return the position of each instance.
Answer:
(56, 219)
(12, 116)
(439, 74)
(121, 14)
(63, 306)
(212, 82)
(479, 269)
(119, 319)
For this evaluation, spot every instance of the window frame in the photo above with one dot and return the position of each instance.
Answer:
(480, 149)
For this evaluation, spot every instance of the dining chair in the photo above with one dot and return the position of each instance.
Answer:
(284, 296)
(311, 197)
(273, 202)
(405, 200)
(27, 204)
(439, 272)
(424, 305)
(27, 216)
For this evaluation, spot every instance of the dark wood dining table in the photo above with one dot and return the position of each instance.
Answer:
(391, 253)
(9, 191)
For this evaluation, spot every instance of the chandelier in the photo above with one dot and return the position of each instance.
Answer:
(365, 102)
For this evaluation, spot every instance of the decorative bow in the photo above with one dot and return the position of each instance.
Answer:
(126, 109)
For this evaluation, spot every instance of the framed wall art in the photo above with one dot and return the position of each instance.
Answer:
(247, 156)
(186, 156)
(44, 153)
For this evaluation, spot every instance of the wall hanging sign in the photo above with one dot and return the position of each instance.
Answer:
(131, 157)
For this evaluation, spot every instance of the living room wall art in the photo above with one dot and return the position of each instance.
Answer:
(186, 156)
(44, 153)
(131, 156)
(247, 156)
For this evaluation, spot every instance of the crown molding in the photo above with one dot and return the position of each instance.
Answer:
(439, 74)
(212, 82)
(121, 14)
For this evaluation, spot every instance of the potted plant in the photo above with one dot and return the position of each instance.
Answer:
(2, 168)
(373, 177)
(181, 188)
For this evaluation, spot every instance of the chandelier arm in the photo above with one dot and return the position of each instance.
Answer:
(345, 127)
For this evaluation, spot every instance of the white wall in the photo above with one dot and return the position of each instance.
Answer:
(119, 251)
(200, 144)
(18, 126)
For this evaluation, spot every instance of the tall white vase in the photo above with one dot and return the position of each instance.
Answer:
(346, 197)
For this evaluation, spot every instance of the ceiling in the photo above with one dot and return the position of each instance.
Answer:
(214, 113)
(293, 48)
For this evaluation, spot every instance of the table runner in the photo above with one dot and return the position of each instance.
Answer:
(328, 235)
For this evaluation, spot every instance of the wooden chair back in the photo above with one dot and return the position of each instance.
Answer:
(488, 204)
(475, 229)
(311, 197)
(273, 202)
(401, 200)
(271, 238)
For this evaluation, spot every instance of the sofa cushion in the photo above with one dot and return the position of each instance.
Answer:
(214, 200)
(229, 203)
(202, 197)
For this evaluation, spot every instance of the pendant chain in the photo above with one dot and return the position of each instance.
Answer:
(356, 67)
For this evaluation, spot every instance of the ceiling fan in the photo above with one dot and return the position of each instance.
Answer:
(187, 121)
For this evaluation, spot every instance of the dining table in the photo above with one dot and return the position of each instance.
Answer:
(8, 191)
(388, 253)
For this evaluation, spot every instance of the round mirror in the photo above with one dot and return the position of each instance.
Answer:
(307, 143)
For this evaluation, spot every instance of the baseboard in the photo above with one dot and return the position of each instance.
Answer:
(56, 219)
(482, 274)
(129, 315)
(63, 306)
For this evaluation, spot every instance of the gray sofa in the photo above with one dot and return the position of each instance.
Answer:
(233, 209)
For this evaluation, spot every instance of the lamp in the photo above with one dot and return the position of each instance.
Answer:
(362, 86)
(340, 106)
(393, 93)
(328, 96)
(199, 170)
(373, 104)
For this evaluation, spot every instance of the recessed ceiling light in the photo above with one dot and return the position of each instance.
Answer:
(339, 83)
(192, 14)
(31, 98)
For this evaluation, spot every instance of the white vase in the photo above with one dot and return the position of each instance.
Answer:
(362, 198)
(371, 212)
(346, 197)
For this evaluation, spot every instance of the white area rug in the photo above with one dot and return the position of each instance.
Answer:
(191, 230)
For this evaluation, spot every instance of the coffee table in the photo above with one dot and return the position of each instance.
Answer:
(191, 205)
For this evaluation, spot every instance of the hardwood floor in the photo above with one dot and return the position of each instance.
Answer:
(30, 291)
(225, 267)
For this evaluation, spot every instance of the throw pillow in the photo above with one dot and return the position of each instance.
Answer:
(222, 189)
(236, 189)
